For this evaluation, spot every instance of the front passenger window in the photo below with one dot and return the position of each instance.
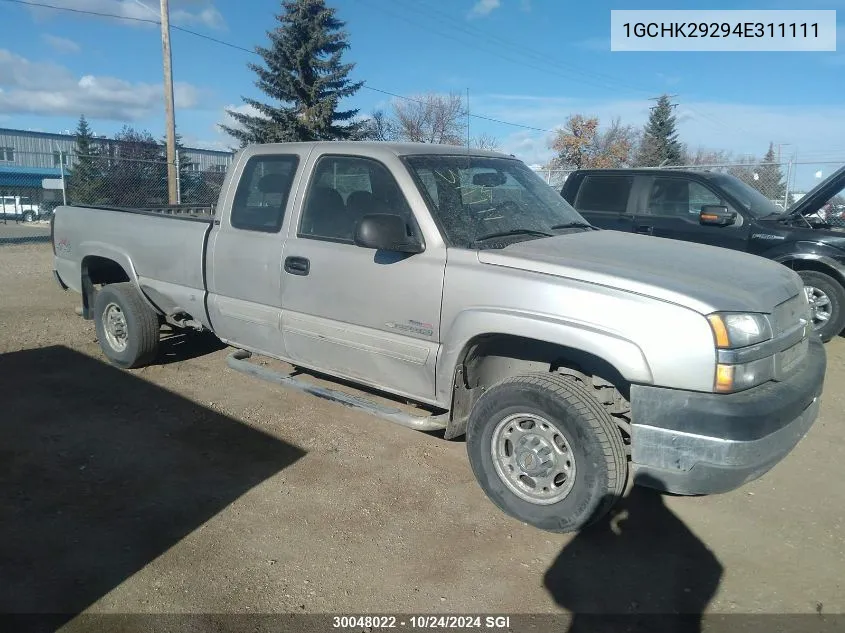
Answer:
(342, 191)
(680, 198)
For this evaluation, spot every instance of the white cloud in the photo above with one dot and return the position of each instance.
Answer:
(484, 7)
(60, 44)
(46, 88)
(182, 12)
(227, 119)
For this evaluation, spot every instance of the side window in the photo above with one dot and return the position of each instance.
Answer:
(342, 190)
(679, 198)
(263, 193)
(700, 196)
(604, 193)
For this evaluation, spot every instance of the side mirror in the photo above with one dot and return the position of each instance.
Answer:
(716, 215)
(385, 232)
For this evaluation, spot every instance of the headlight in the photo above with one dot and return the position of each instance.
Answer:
(735, 330)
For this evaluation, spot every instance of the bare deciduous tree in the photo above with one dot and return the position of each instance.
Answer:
(431, 118)
(485, 141)
(379, 127)
(704, 156)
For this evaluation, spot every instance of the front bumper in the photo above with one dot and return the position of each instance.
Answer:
(702, 443)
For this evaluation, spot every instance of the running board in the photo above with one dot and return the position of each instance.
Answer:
(238, 361)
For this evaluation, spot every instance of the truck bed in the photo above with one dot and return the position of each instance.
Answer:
(162, 248)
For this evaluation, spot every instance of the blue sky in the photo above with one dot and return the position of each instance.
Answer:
(530, 62)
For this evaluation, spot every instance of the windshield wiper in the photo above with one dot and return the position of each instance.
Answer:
(512, 232)
(572, 225)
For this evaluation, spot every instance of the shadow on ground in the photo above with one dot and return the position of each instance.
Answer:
(101, 472)
(176, 346)
(639, 569)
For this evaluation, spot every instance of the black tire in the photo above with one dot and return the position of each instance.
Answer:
(601, 466)
(142, 326)
(836, 293)
(29, 216)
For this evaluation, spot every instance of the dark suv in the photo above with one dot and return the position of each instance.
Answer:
(721, 210)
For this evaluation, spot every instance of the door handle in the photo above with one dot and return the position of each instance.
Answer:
(644, 229)
(297, 265)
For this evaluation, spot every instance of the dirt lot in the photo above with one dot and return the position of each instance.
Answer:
(188, 487)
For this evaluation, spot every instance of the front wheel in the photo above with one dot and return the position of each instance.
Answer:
(127, 328)
(827, 303)
(29, 216)
(545, 452)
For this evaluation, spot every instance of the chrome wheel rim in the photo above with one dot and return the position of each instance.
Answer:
(115, 328)
(820, 306)
(533, 458)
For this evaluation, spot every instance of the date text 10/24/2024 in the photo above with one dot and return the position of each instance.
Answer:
(422, 622)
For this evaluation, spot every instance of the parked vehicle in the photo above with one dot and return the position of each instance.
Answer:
(460, 281)
(18, 208)
(721, 210)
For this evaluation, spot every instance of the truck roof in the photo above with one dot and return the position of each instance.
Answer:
(373, 149)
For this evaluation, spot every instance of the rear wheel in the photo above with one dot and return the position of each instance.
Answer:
(827, 303)
(545, 451)
(127, 328)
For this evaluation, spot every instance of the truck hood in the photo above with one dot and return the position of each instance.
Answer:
(813, 200)
(703, 278)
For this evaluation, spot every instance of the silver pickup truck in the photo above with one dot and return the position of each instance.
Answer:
(458, 280)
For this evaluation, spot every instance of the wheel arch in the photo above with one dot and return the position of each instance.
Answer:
(817, 263)
(106, 267)
(489, 357)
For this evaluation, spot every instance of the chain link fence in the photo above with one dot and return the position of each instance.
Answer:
(33, 185)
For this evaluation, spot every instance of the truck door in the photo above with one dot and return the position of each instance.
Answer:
(372, 316)
(245, 272)
(604, 200)
(670, 206)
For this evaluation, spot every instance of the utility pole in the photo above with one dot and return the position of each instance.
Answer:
(467, 120)
(172, 185)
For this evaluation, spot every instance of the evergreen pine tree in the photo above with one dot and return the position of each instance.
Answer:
(85, 178)
(303, 75)
(770, 178)
(660, 145)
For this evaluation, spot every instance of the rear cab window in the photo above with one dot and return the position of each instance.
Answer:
(263, 192)
(604, 193)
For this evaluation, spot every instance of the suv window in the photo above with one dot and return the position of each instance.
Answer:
(679, 197)
(343, 190)
(263, 193)
(608, 193)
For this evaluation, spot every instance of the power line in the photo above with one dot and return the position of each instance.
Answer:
(430, 12)
(244, 49)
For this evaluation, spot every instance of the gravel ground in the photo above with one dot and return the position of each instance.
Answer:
(187, 487)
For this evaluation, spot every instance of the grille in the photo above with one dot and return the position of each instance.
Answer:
(788, 314)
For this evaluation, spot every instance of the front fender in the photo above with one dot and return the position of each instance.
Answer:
(610, 346)
(830, 256)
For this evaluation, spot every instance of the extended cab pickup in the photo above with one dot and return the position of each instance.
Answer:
(722, 210)
(458, 280)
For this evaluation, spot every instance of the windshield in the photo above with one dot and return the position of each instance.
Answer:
(477, 198)
(751, 200)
